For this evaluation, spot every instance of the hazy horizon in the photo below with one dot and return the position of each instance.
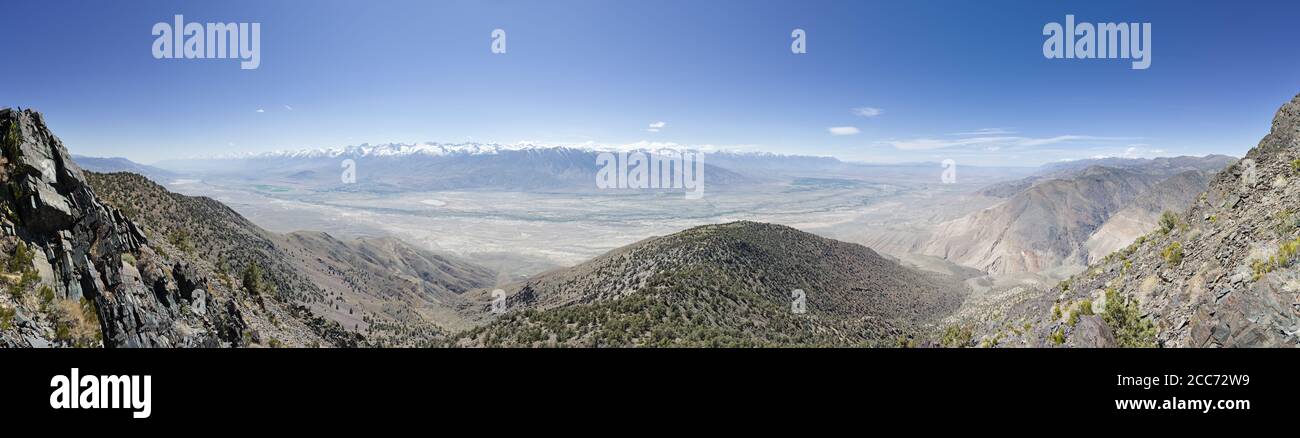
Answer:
(163, 162)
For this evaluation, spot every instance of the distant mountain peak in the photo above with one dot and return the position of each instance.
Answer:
(367, 150)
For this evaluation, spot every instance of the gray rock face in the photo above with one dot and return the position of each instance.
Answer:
(1226, 275)
(1091, 332)
(83, 242)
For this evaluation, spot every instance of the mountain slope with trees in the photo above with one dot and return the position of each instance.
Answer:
(734, 284)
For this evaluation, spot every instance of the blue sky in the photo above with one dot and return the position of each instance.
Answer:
(951, 79)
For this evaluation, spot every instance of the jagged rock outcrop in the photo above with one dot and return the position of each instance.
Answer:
(87, 250)
(1225, 274)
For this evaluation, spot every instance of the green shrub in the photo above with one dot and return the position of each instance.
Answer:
(7, 318)
(992, 342)
(1259, 267)
(1168, 220)
(1126, 322)
(1286, 256)
(1287, 222)
(1085, 307)
(1287, 253)
(30, 278)
(181, 240)
(1295, 164)
(46, 295)
(1057, 337)
(20, 260)
(957, 336)
(253, 282)
(77, 323)
(1173, 254)
(12, 139)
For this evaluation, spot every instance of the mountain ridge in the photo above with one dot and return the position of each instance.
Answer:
(95, 277)
(1045, 222)
(733, 284)
(1225, 272)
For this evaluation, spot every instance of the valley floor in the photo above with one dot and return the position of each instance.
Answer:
(523, 234)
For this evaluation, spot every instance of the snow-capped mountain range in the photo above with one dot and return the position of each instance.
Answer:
(432, 149)
(523, 166)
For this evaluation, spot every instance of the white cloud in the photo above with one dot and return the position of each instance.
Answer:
(658, 125)
(867, 111)
(652, 130)
(843, 130)
(1134, 151)
(287, 107)
(261, 110)
(917, 144)
(645, 145)
(923, 144)
(986, 131)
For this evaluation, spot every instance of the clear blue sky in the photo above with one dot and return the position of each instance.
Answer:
(714, 72)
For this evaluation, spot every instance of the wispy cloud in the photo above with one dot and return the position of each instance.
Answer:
(843, 130)
(261, 110)
(986, 131)
(288, 108)
(867, 111)
(1141, 150)
(1000, 141)
(645, 145)
(658, 125)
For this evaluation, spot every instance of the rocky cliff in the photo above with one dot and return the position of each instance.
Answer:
(80, 273)
(1223, 273)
